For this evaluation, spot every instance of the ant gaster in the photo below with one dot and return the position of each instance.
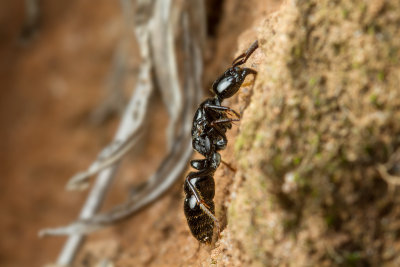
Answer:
(210, 124)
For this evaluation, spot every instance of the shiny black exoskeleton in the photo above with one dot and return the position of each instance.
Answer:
(210, 123)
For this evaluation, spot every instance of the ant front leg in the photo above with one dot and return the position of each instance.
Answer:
(221, 108)
(224, 120)
(247, 71)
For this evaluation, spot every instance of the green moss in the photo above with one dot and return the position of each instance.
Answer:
(232, 212)
(371, 30)
(262, 182)
(363, 7)
(317, 102)
(252, 230)
(290, 224)
(353, 258)
(239, 144)
(315, 140)
(393, 55)
(318, 127)
(337, 48)
(297, 51)
(381, 76)
(315, 192)
(355, 65)
(345, 13)
(277, 163)
(373, 98)
(259, 137)
(330, 220)
(296, 160)
(312, 81)
(302, 181)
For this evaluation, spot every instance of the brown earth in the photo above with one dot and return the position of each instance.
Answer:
(316, 152)
(49, 86)
(318, 148)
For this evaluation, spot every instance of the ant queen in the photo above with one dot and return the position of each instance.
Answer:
(210, 123)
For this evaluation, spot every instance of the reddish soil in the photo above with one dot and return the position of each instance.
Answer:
(50, 85)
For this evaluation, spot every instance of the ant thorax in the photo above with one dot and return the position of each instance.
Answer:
(208, 138)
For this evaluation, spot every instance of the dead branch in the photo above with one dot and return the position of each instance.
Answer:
(152, 27)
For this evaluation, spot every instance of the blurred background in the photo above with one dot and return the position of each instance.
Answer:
(316, 153)
(58, 109)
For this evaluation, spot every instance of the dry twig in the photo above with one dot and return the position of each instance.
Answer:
(157, 23)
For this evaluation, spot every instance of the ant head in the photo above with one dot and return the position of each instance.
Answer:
(229, 83)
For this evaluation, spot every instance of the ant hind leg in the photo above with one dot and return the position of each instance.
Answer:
(228, 166)
(211, 216)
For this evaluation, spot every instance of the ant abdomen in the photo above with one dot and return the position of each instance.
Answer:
(200, 224)
(199, 221)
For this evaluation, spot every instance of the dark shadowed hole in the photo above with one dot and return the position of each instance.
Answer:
(214, 15)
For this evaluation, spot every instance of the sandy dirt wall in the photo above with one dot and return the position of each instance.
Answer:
(51, 84)
(318, 149)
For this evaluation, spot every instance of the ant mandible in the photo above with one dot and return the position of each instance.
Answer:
(210, 124)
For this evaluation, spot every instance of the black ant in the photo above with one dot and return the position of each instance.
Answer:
(210, 124)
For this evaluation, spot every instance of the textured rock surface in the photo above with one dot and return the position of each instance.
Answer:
(319, 141)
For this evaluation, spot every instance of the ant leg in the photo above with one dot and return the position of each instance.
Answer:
(228, 166)
(221, 108)
(220, 143)
(199, 199)
(236, 60)
(207, 211)
(196, 194)
(247, 71)
(214, 123)
(224, 120)
(198, 175)
(241, 59)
